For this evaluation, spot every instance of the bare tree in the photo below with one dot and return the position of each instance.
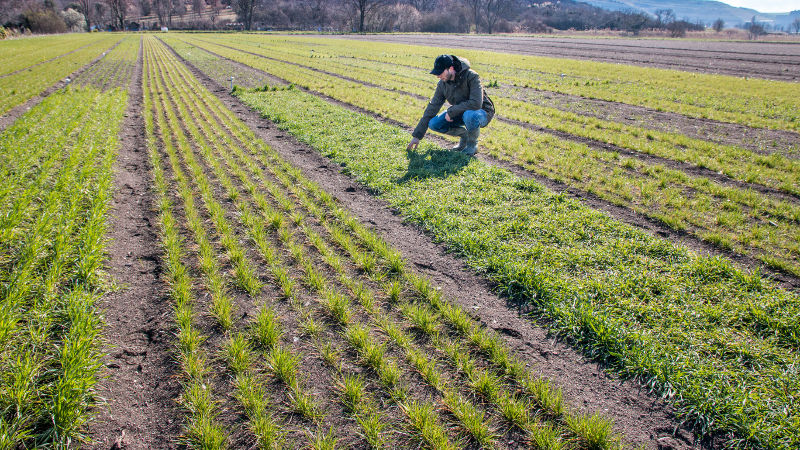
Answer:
(475, 6)
(796, 25)
(755, 29)
(100, 11)
(319, 12)
(162, 8)
(85, 7)
(422, 5)
(244, 11)
(496, 10)
(118, 10)
(216, 8)
(198, 6)
(665, 16)
(145, 7)
(363, 9)
(677, 28)
(179, 8)
(718, 25)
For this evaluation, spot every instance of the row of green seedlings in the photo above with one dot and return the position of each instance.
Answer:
(594, 431)
(316, 279)
(115, 69)
(336, 304)
(368, 418)
(281, 362)
(401, 339)
(216, 68)
(49, 328)
(745, 221)
(20, 87)
(284, 281)
(202, 429)
(30, 161)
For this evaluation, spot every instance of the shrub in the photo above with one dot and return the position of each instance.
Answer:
(44, 21)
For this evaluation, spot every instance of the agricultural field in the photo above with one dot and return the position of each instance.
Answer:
(221, 241)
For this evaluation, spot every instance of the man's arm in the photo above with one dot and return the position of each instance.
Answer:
(430, 112)
(475, 100)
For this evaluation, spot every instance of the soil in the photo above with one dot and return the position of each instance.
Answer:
(140, 386)
(642, 418)
(743, 59)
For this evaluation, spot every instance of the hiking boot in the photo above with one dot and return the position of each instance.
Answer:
(471, 146)
(461, 132)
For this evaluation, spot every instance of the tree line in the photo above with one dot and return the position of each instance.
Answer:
(442, 16)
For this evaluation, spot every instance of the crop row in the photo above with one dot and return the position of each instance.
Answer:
(56, 180)
(742, 220)
(21, 54)
(682, 323)
(116, 67)
(220, 71)
(382, 334)
(751, 102)
(19, 87)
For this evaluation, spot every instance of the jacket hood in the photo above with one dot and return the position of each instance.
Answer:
(462, 67)
(463, 62)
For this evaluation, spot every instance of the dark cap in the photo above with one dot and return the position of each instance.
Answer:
(442, 63)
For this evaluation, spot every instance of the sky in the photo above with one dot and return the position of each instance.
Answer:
(766, 5)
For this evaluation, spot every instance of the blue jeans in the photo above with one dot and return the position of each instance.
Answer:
(471, 119)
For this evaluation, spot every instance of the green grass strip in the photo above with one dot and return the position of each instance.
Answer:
(708, 336)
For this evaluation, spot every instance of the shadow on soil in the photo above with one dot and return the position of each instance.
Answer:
(433, 163)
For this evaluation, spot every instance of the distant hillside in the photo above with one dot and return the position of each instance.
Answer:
(706, 11)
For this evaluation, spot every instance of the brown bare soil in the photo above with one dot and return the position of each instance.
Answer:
(643, 419)
(744, 59)
(140, 387)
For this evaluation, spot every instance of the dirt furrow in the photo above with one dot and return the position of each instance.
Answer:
(642, 418)
(141, 386)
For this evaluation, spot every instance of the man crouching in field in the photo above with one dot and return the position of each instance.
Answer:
(470, 108)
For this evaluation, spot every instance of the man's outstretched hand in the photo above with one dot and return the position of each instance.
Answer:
(413, 144)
